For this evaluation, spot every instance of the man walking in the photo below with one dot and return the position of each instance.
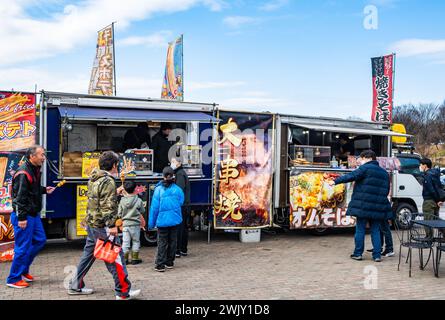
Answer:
(28, 229)
(369, 202)
(102, 214)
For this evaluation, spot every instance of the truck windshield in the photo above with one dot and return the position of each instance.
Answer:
(409, 165)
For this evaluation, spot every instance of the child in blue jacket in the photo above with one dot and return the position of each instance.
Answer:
(165, 214)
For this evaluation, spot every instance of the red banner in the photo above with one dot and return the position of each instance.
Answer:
(17, 121)
(382, 88)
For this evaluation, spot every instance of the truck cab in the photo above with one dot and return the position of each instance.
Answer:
(406, 190)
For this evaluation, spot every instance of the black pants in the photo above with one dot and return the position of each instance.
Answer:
(183, 231)
(167, 241)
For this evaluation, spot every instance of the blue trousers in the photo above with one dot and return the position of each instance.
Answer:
(360, 229)
(28, 243)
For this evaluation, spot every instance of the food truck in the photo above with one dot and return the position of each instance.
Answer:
(75, 128)
(313, 150)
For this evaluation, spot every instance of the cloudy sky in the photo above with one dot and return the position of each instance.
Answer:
(290, 56)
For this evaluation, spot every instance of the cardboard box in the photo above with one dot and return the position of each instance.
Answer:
(72, 164)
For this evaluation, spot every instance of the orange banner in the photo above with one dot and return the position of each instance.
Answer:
(17, 121)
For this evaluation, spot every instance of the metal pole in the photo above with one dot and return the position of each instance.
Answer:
(114, 59)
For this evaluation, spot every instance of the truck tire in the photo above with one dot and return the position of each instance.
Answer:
(403, 215)
(149, 238)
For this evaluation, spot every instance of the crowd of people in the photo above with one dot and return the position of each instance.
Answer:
(107, 216)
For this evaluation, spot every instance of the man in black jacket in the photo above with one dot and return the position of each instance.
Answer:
(182, 180)
(161, 146)
(431, 183)
(28, 229)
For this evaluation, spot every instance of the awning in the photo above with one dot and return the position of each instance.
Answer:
(372, 132)
(116, 114)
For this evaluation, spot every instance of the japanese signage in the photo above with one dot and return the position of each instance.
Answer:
(6, 238)
(102, 80)
(81, 209)
(316, 204)
(17, 121)
(382, 88)
(172, 88)
(9, 163)
(243, 182)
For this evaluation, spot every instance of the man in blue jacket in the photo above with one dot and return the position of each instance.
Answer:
(369, 202)
(166, 215)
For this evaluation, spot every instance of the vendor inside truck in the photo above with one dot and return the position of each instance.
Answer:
(319, 148)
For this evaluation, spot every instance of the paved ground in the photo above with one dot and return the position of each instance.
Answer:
(290, 265)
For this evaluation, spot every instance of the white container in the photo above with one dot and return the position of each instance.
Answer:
(250, 235)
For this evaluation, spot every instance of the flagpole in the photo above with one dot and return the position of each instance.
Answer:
(114, 60)
(393, 78)
(182, 62)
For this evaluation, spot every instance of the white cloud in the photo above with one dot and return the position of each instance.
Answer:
(158, 39)
(29, 38)
(214, 85)
(417, 47)
(273, 5)
(216, 5)
(238, 21)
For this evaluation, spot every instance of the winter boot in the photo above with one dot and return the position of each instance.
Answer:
(135, 257)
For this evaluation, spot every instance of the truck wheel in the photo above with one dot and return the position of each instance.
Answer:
(404, 213)
(149, 238)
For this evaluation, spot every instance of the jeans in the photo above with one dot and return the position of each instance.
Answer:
(28, 243)
(386, 236)
(360, 229)
(131, 234)
(117, 269)
(167, 241)
(183, 232)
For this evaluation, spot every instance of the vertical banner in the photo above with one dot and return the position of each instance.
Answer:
(316, 204)
(9, 162)
(243, 164)
(17, 121)
(102, 80)
(81, 209)
(382, 88)
(173, 88)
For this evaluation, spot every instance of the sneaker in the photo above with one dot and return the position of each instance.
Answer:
(169, 266)
(27, 277)
(131, 295)
(160, 268)
(370, 250)
(83, 291)
(378, 259)
(356, 257)
(18, 285)
(184, 254)
(178, 255)
(388, 253)
(136, 261)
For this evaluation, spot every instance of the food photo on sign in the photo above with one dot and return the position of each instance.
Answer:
(316, 204)
(243, 190)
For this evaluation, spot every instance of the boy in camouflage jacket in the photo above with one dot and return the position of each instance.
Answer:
(101, 217)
